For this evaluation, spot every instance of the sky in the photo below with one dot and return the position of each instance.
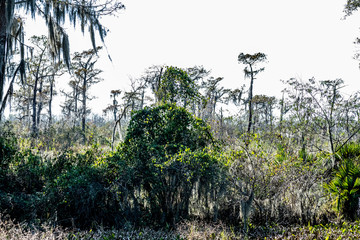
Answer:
(302, 39)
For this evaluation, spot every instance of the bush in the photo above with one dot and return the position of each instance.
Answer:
(165, 148)
(8, 145)
(345, 186)
(81, 197)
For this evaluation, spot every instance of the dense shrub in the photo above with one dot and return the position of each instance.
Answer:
(165, 148)
(81, 197)
(344, 184)
(8, 145)
(170, 168)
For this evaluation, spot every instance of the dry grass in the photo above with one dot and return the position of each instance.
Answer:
(11, 230)
(187, 230)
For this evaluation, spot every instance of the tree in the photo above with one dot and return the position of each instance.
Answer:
(152, 79)
(85, 75)
(41, 69)
(251, 61)
(171, 82)
(176, 86)
(300, 111)
(115, 105)
(213, 93)
(197, 75)
(36, 91)
(264, 106)
(322, 110)
(132, 100)
(55, 13)
(165, 147)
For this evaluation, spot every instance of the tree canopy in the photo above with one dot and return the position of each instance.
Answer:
(56, 13)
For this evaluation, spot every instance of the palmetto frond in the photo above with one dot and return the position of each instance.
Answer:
(345, 185)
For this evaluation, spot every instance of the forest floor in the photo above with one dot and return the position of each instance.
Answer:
(187, 230)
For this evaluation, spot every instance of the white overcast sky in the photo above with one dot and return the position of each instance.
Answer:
(302, 38)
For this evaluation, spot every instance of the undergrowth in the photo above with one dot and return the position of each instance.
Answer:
(189, 230)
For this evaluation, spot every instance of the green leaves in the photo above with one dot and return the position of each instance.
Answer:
(176, 86)
(166, 147)
(345, 188)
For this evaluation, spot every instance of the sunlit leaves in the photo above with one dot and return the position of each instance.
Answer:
(177, 87)
(345, 187)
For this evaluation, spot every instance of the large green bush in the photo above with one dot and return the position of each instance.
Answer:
(166, 150)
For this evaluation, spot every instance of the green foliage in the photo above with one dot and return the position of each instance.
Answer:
(82, 196)
(21, 182)
(349, 151)
(176, 86)
(166, 149)
(8, 144)
(166, 126)
(345, 187)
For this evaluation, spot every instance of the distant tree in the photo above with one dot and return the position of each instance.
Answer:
(264, 106)
(251, 61)
(152, 79)
(55, 13)
(36, 92)
(85, 75)
(198, 75)
(115, 105)
(213, 93)
(41, 69)
(131, 100)
(176, 86)
(70, 108)
(300, 112)
(321, 110)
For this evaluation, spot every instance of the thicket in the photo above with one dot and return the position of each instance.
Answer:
(171, 168)
(170, 155)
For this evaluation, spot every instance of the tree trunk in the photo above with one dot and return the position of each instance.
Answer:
(281, 112)
(83, 117)
(34, 103)
(250, 100)
(34, 128)
(221, 123)
(76, 114)
(50, 99)
(3, 104)
(40, 104)
(115, 108)
(3, 42)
